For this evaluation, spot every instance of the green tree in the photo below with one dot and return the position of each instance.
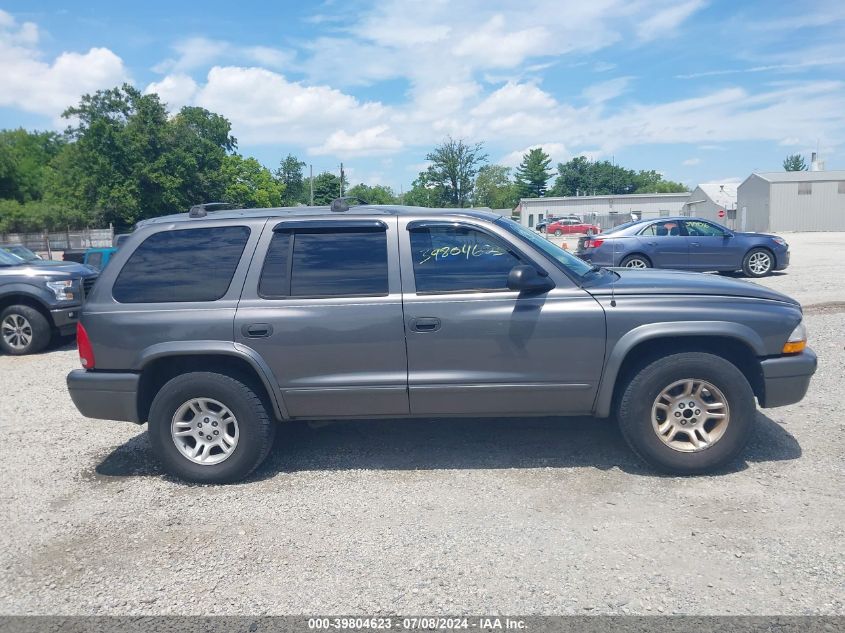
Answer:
(454, 165)
(127, 160)
(533, 173)
(425, 193)
(24, 157)
(249, 184)
(495, 189)
(794, 162)
(373, 194)
(290, 173)
(580, 176)
(326, 188)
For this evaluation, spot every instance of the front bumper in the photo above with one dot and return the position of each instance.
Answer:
(65, 319)
(782, 260)
(786, 378)
(105, 395)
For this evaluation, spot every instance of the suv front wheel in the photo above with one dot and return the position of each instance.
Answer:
(209, 428)
(688, 413)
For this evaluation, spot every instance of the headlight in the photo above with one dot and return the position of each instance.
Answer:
(62, 289)
(797, 341)
(779, 240)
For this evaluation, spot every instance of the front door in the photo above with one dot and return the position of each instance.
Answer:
(477, 348)
(323, 309)
(711, 247)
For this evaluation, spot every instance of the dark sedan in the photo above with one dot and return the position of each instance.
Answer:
(686, 244)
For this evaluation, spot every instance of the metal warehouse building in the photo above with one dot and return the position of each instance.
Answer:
(606, 211)
(713, 201)
(792, 201)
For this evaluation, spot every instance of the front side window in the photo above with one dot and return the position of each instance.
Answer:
(459, 259)
(703, 229)
(313, 263)
(184, 265)
(668, 228)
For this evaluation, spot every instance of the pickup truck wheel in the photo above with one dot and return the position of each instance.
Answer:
(209, 428)
(758, 262)
(23, 330)
(688, 413)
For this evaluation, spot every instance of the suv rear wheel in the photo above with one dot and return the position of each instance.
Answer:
(23, 330)
(209, 428)
(687, 414)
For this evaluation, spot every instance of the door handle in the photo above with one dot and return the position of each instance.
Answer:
(257, 330)
(652, 243)
(694, 244)
(425, 324)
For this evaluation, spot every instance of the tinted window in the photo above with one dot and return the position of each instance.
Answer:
(703, 229)
(450, 259)
(276, 271)
(187, 265)
(325, 264)
(669, 228)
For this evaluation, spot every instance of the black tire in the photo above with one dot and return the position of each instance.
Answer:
(256, 429)
(627, 261)
(36, 324)
(634, 412)
(750, 270)
(558, 232)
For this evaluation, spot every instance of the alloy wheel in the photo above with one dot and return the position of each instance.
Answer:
(205, 431)
(636, 263)
(16, 330)
(759, 263)
(690, 415)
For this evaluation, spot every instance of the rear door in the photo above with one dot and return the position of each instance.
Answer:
(665, 244)
(322, 306)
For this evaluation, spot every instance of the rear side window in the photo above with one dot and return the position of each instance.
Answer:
(459, 259)
(186, 265)
(317, 263)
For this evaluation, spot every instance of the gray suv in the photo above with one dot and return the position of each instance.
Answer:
(214, 327)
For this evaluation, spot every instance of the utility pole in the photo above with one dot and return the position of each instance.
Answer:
(341, 180)
(311, 184)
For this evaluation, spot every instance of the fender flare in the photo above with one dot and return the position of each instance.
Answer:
(218, 348)
(674, 329)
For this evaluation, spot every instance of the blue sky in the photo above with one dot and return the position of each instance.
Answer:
(699, 90)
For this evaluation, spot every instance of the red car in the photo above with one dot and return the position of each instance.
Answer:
(567, 225)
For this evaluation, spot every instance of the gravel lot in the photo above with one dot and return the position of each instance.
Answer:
(516, 516)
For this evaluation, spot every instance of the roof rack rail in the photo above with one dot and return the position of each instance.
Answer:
(339, 205)
(201, 210)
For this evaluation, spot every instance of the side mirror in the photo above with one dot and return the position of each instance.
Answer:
(526, 278)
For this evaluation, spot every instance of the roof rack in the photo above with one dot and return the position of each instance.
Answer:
(339, 205)
(201, 210)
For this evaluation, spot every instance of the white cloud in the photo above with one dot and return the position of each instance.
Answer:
(201, 52)
(373, 140)
(175, 90)
(556, 151)
(689, 162)
(607, 90)
(664, 22)
(48, 87)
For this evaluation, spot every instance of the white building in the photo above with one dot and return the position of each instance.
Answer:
(606, 211)
(792, 201)
(713, 201)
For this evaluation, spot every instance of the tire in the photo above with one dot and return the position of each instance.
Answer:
(758, 262)
(253, 430)
(23, 330)
(687, 457)
(635, 261)
(558, 232)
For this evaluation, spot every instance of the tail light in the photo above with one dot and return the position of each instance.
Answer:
(591, 243)
(83, 344)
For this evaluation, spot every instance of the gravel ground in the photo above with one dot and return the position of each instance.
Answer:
(542, 516)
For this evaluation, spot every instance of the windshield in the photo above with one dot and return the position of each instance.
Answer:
(23, 252)
(7, 259)
(564, 259)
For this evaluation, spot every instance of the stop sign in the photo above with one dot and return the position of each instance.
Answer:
(721, 213)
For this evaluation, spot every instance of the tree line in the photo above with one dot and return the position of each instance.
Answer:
(123, 158)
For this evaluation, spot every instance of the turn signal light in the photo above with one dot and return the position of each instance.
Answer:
(593, 243)
(794, 347)
(83, 344)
